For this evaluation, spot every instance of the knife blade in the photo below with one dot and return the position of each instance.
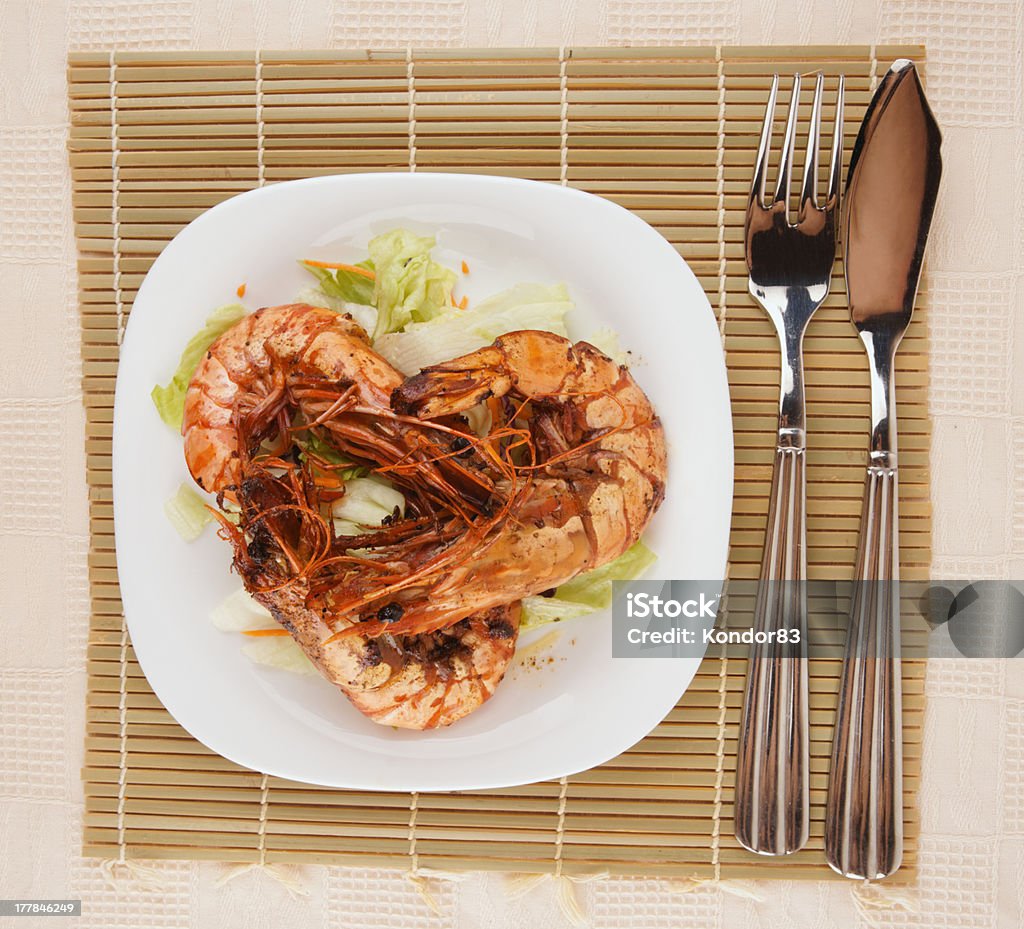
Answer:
(891, 191)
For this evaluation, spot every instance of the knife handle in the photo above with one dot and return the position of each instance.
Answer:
(771, 808)
(864, 812)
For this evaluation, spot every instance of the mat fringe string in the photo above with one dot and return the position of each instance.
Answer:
(565, 887)
(563, 792)
(563, 89)
(419, 877)
(109, 867)
(147, 876)
(414, 806)
(122, 761)
(261, 832)
(415, 876)
(411, 85)
(720, 191)
(294, 886)
(565, 884)
(723, 680)
(874, 901)
(261, 176)
(566, 896)
(744, 889)
(115, 204)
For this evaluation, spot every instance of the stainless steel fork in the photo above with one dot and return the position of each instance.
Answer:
(790, 268)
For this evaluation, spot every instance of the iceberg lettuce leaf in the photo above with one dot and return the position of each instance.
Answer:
(343, 284)
(410, 285)
(187, 513)
(281, 652)
(588, 592)
(239, 612)
(367, 502)
(457, 332)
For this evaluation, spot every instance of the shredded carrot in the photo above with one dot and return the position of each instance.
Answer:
(333, 266)
(261, 632)
(241, 290)
(464, 302)
(327, 480)
(465, 268)
(452, 298)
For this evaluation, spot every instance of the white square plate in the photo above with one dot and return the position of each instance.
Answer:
(571, 713)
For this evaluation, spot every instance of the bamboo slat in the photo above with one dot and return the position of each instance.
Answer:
(668, 133)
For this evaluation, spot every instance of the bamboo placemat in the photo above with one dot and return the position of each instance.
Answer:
(669, 133)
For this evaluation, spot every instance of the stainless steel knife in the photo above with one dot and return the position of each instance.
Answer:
(890, 196)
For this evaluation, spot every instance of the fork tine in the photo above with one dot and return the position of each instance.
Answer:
(835, 167)
(809, 192)
(761, 165)
(786, 158)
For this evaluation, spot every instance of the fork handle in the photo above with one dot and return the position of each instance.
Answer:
(771, 811)
(864, 812)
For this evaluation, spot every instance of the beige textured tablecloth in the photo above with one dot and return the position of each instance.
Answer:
(972, 799)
